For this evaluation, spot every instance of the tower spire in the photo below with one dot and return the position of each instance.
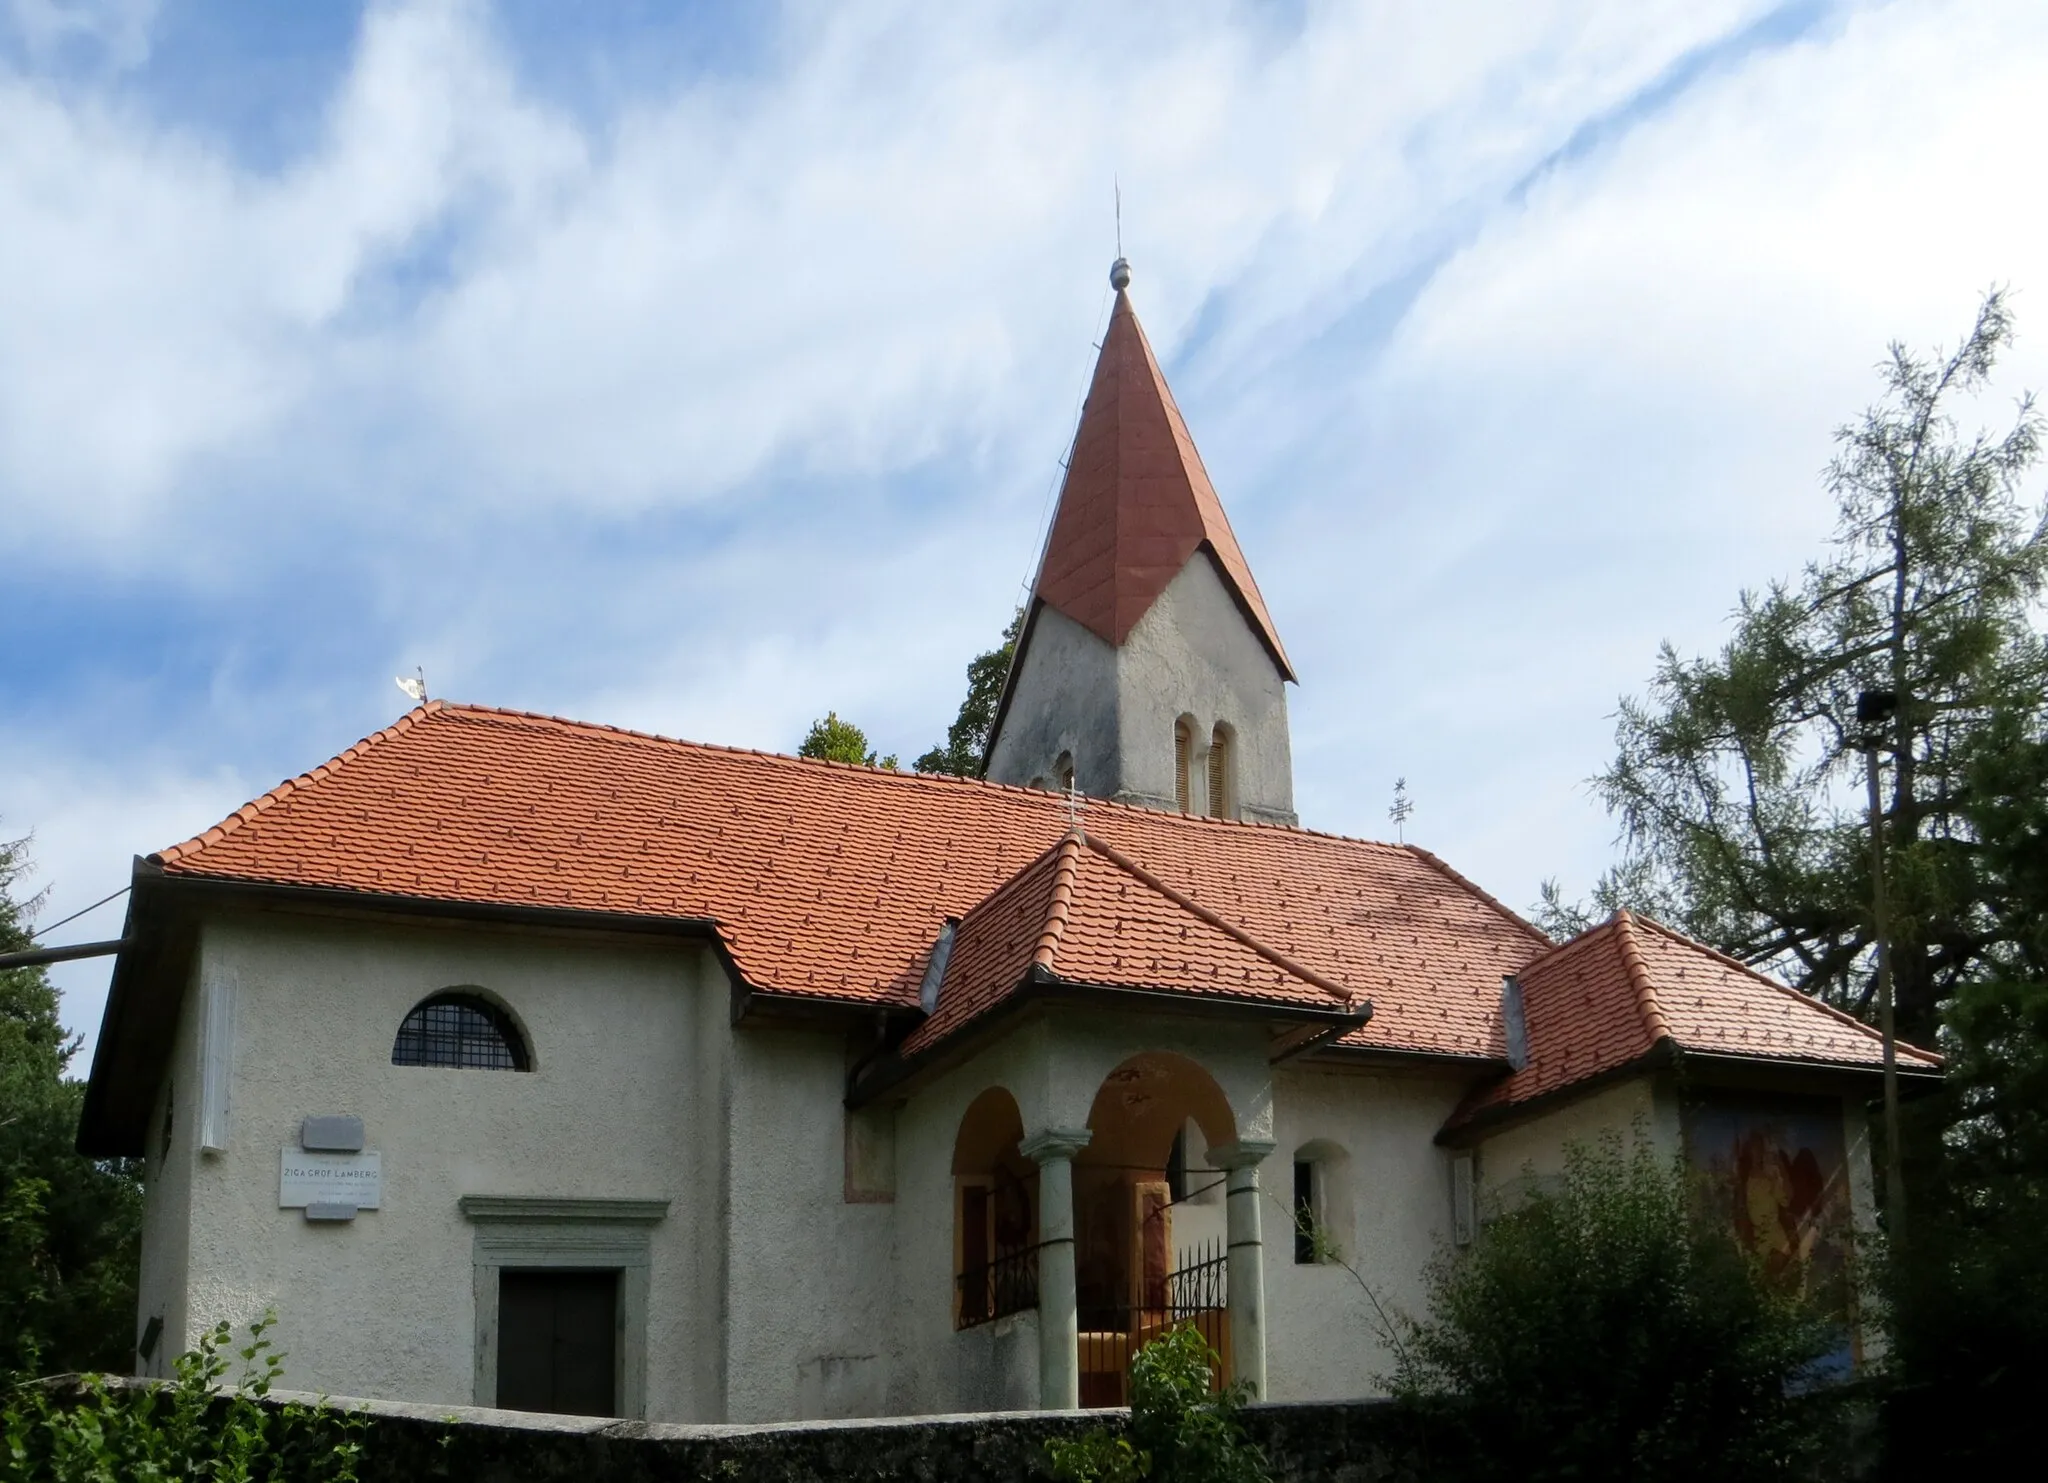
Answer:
(1136, 504)
(1147, 663)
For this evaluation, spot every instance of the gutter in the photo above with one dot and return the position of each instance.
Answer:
(1667, 1053)
(1459, 1134)
(1041, 986)
(234, 890)
(1310, 1037)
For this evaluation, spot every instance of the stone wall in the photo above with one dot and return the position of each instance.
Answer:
(1347, 1442)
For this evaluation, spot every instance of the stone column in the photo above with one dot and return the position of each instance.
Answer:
(1059, 1331)
(1247, 1260)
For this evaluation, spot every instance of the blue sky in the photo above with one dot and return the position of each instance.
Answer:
(702, 367)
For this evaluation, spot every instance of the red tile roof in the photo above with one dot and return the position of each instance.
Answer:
(832, 882)
(1086, 913)
(1137, 504)
(1611, 996)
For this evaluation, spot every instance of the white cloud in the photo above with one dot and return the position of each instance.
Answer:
(1612, 408)
(889, 245)
(741, 401)
(88, 823)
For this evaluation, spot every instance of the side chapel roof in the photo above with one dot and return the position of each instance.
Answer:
(1085, 913)
(1136, 503)
(1632, 988)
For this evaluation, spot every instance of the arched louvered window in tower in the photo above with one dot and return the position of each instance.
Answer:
(465, 1031)
(1183, 759)
(1219, 773)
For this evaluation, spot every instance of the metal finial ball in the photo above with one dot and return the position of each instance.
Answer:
(1120, 275)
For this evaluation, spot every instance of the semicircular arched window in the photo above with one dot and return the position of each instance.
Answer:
(461, 1030)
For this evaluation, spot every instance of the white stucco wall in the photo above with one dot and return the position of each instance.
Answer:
(809, 1294)
(1387, 1202)
(1113, 709)
(1195, 654)
(616, 1107)
(1509, 1159)
(167, 1193)
(778, 1289)
(1062, 699)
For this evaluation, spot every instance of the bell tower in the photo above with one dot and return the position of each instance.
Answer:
(1148, 670)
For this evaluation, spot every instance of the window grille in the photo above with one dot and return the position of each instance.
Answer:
(460, 1030)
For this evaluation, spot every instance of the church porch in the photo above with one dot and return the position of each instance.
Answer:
(1104, 1186)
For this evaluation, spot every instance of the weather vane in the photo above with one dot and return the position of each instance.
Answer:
(1403, 807)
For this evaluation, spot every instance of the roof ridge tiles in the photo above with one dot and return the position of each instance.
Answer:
(173, 853)
(457, 710)
(1229, 929)
(1639, 978)
(1771, 983)
(1062, 899)
(1482, 893)
(1569, 948)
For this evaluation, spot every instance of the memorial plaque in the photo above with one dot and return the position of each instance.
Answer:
(329, 1179)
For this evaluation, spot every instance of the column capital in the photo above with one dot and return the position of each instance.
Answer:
(1246, 1153)
(1054, 1143)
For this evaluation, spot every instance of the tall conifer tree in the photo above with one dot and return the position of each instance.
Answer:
(69, 1227)
(1738, 779)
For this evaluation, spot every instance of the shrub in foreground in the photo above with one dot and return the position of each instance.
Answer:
(191, 1427)
(1606, 1328)
(1181, 1430)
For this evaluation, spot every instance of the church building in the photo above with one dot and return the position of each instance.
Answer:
(527, 1062)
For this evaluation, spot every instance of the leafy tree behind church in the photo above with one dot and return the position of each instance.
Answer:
(1738, 780)
(833, 740)
(69, 1227)
(963, 751)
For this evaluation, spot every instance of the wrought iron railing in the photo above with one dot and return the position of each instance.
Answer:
(1196, 1292)
(995, 1289)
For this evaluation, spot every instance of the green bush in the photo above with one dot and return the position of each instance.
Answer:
(1604, 1328)
(97, 1431)
(1182, 1431)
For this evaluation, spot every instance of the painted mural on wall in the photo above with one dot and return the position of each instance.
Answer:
(1778, 1170)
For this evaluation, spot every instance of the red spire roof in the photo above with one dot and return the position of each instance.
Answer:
(1137, 504)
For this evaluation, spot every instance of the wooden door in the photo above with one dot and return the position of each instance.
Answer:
(558, 1342)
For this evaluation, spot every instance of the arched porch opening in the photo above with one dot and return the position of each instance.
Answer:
(1135, 1274)
(995, 1213)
